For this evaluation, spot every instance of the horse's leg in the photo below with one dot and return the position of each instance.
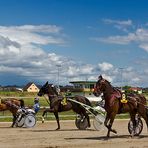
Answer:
(55, 113)
(44, 112)
(143, 112)
(88, 120)
(57, 118)
(106, 122)
(87, 117)
(13, 120)
(134, 123)
(110, 118)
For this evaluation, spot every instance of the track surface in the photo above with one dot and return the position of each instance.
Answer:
(45, 136)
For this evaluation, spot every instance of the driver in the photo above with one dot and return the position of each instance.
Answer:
(36, 105)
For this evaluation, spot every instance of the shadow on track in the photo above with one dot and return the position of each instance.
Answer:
(104, 138)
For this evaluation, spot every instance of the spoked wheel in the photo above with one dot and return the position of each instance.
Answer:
(138, 128)
(81, 122)
(98, 122)
(30, 120)
(20, 121)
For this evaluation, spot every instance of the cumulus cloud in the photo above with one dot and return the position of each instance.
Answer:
(42, 34)
(144, 46)
(105, 66)
(139, 37)
(21, 48)
(22, 54)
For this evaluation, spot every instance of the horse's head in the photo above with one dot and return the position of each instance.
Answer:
(48, 89)
(100, 86)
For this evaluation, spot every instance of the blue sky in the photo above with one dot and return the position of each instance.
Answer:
(85, 37)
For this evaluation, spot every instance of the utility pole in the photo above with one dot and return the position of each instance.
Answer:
(58, 66)
(121, 72)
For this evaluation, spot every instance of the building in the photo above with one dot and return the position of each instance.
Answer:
(86, 86)
(31, 87)
(136, 89)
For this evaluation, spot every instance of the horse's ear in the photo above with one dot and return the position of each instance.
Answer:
(100, 77)
(46, 83)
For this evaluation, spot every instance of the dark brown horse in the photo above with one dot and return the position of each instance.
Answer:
(136, 104)
(12, 105)
(56, 106)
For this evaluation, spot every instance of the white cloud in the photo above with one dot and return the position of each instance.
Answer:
(140, 37)
(42, 34)
(105, 66)
(119, 24)
(21, 52)
(107, 77)
(21, 49)
(144, 46)
(122, 40)
(24, 56)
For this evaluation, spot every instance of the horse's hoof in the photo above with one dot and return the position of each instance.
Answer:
(107, 137)
(131, 136)
(57, 128)
(114, 131)
(43, 120)
(89, 125)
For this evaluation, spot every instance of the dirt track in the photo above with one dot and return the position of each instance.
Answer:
(45, 136)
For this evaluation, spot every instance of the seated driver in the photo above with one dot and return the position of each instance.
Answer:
(36, 105)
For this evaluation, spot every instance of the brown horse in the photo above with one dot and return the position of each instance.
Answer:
(12, 105)
(112, 96)
(56, 106)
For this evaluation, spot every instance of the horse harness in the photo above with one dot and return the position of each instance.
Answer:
(61, 98)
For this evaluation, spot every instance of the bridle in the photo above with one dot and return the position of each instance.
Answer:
(98, 88)
(46, 91)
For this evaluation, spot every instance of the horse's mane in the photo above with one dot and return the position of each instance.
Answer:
(114, 88)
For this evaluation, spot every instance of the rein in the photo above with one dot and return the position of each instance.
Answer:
(46, 99)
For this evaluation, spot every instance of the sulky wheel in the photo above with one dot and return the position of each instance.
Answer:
(20, 123)
(139, 126)
(20, 120)
(98, 122)
(81, 122)
(30, 120)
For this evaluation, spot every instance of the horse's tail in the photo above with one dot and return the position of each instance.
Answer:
(147, 116)
(87, 102)
(147, 111)
(22, 104)
(142, 103)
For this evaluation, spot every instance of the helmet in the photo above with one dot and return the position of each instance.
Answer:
(36, 99)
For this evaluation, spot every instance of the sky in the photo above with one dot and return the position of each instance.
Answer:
(68, 40)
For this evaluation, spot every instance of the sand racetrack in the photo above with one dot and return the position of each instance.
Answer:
(45, 136)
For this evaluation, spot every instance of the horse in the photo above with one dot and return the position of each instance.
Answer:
(12, 105)
(56, 106)
(135, 104)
